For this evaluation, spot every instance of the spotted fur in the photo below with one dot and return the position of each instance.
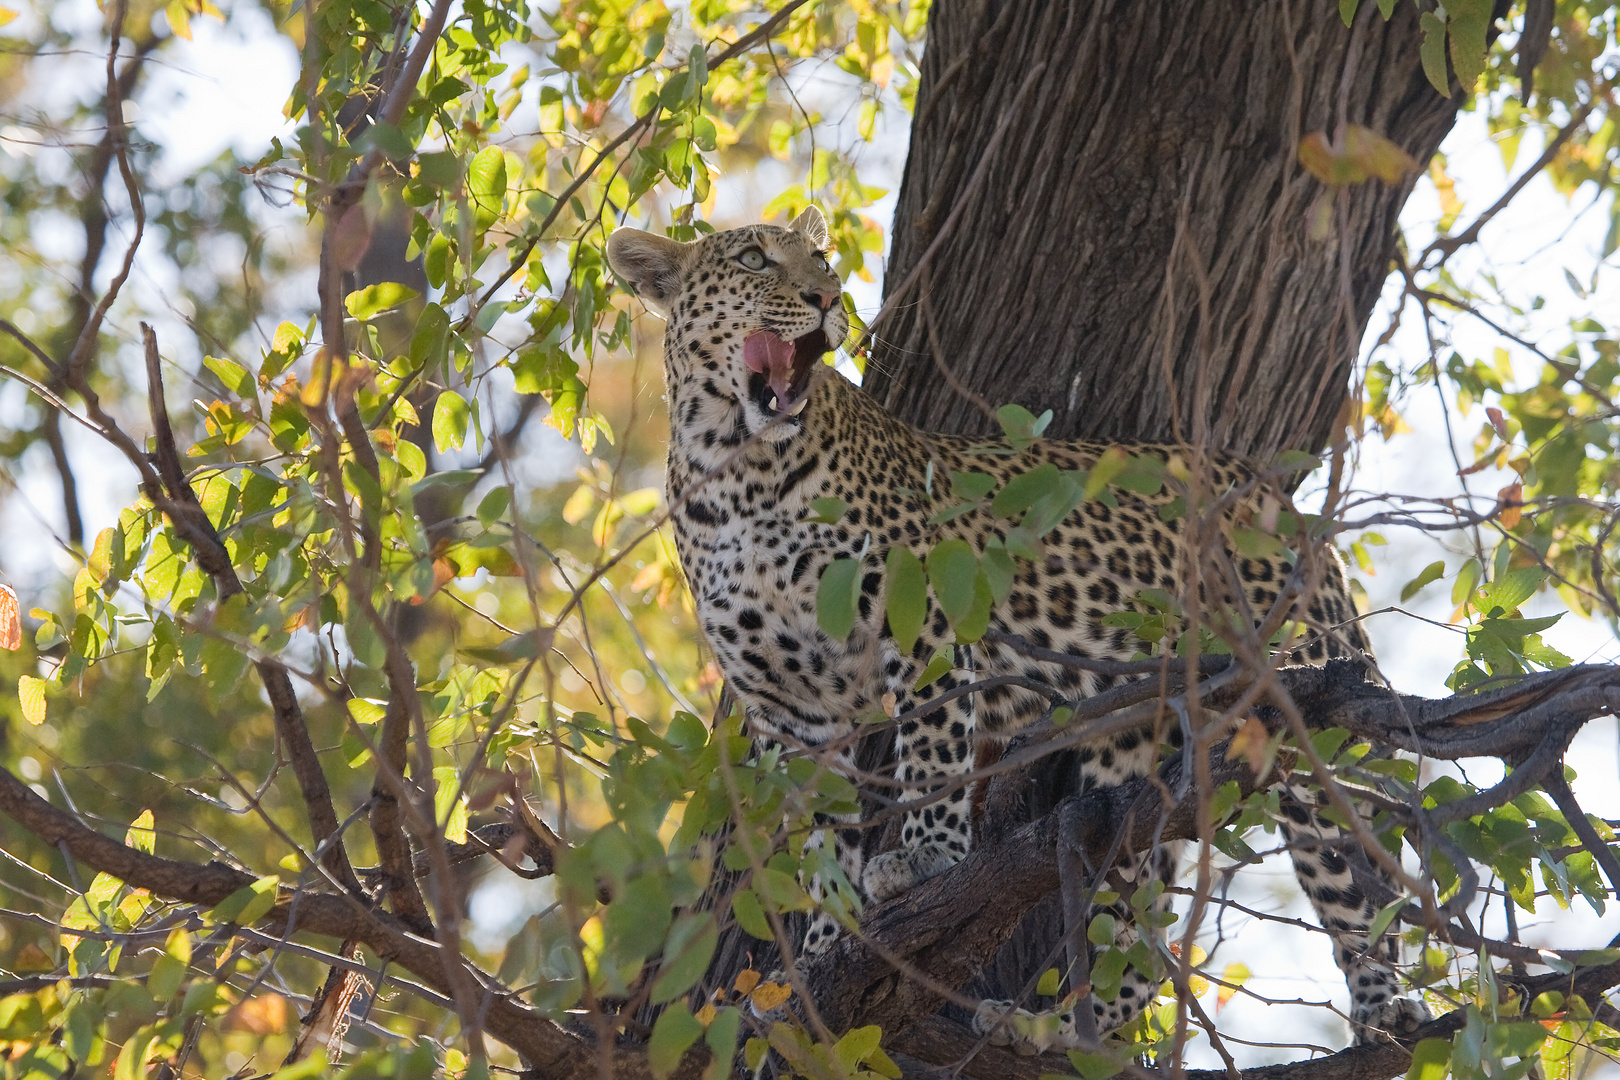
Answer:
(743, 470)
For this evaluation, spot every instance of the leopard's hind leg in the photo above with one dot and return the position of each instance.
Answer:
(1112, 1006)
(1328, 860)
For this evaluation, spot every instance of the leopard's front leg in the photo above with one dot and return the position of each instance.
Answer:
(933, 749)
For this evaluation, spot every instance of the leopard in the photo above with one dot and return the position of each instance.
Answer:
(778, 466)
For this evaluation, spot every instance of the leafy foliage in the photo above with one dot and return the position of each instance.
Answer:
(521, 648)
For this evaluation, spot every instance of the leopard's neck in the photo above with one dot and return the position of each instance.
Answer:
(787, 463)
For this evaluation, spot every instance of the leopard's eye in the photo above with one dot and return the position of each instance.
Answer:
(752, 259)
(821, 257)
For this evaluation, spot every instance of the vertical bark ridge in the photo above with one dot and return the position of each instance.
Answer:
(1055, 290)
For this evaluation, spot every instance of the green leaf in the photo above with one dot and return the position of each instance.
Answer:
(952, 571)
(750, 914)
(1098, 1066)
(754, 1052)
(493, 505)
(1509, 590)
(697, 74)
(1467, 576)
(1021, 426)
(1432, 52)
(247, 904)
(486, 186)
(674, 1032)
(1467, 24)
(450, 415)
(905, 599)
(140, 835)
(390, 140)
(686, 957)
(1433, 572)
(1051, 982)
(857, 1045)
(366, 302)
(430, 339)
(233, 375)
(1102, 929)
(827, 509)
(1024, 490)
(721, 1039)
(442, 170)
(1347, 10)
(943, 660)
(1431, 1060)
(164, 979)
(971, 486)
(837, 596)
(448, 810)
(999, 570)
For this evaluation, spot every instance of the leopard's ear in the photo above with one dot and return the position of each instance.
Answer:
(812, 226)
(650, 263)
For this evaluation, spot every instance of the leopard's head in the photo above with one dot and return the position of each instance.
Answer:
(750, 312)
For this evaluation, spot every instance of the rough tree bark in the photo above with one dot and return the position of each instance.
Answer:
(1138, 255)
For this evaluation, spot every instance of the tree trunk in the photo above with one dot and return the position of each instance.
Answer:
(1143, 253)
(1139, 254)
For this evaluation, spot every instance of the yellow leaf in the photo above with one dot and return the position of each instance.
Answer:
(578, 505)
(1377, 156)
(746, 981)
(768, 996)
(706, 1015)
(6, 15)
(31, 693)
(141, 834)
(179, 19)
(1232, 978)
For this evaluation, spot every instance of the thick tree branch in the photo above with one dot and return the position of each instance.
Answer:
(947, 928)
(550, 1050)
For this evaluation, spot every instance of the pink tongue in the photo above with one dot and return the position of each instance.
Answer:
(772, 357)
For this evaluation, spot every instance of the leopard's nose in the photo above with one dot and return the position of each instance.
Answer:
(820, 299)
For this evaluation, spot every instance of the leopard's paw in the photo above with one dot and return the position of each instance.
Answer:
(1027, 1033)
(894, 872)
(992, 1018)
(1377, 1021)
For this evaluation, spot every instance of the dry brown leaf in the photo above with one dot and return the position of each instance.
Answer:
(32, 958)
(10, 619)
(1498, 421)
(1250, 743)
(1510, 503)
(768, 996)
(264, 1014)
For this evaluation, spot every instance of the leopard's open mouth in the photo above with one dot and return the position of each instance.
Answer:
(780, 371)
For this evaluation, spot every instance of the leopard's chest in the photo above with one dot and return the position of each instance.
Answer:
(754, 572)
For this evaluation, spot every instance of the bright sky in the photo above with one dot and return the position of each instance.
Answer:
(226, 89)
